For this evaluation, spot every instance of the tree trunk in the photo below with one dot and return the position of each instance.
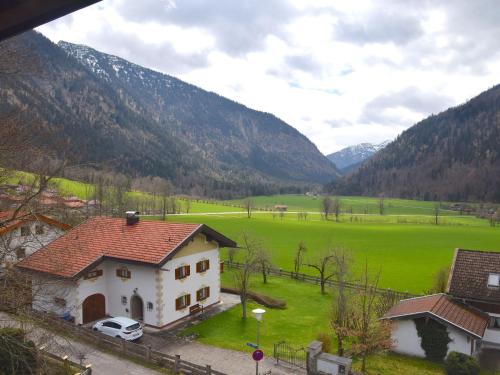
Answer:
(340, 345)
(243, 300)
(322, 284)
(264, 275)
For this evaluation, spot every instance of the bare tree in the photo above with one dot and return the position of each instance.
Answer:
(381, 206)
(370, 334)
(242, 275)
(437, 208)
(299, 257)
(231, 253)
(341, 317)
(326, 206)
(440, 281)
(336, 208)
(248, 204)
(324, 265)
(263, 261)
(187, 204)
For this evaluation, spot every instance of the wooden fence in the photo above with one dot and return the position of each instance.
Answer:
(123, 347)
(316, 280)
(66, 363)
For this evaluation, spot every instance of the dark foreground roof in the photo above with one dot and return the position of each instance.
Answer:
(442, 308)
(469, 275)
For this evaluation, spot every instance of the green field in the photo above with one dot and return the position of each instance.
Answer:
(358, 205)
(408, 254)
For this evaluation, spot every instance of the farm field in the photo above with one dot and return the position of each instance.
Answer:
(408, 254)
(359, 205)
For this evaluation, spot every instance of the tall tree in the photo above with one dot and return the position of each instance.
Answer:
(437, 208)
(249, 249)
(326, 206)
(263, 261)
(336, 208)
(248, 204)
(324, 265)
(299, 257)
(381, 206)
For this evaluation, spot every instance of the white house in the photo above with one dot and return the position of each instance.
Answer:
(465, 325)
(156, 272)
(26, 233)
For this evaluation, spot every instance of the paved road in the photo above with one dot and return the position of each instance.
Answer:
(102, 363)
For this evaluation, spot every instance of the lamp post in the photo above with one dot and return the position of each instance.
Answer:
(258, 315)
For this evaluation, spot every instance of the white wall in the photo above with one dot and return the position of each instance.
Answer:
(31, 243)
(405, 338)
(172, 289)
(46, 289)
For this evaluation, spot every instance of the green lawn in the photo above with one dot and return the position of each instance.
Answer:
(408, 254)
(306, 315)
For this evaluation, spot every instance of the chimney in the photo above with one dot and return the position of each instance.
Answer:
(132, 217)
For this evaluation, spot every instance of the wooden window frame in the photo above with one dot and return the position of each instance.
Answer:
(199, 292)
(93, 274)
(186, 271)
(39, 229)
(18, 252)
(203, 266)
(124, 273)
(186, 298)
(25, 231)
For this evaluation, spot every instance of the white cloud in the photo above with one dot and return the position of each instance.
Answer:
(341, 72)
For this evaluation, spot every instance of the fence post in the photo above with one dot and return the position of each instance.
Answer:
(208, 370)
(148, 353)
(177, 363)
(124, 348)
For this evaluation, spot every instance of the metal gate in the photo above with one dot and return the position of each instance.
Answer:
(285, 352)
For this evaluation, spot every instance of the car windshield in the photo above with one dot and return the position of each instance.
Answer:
(133, 326)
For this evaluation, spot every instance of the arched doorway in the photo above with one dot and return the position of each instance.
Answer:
(137, 307)
(93, 308)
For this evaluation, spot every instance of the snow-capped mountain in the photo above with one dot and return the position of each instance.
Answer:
(352, 156)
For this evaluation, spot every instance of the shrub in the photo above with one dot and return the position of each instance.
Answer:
(17, 356)
(326, 340)
(434, 338)
(461, 364)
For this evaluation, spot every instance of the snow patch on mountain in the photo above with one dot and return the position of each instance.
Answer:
(355, 154)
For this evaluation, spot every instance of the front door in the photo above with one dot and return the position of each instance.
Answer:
(137, 308)
(93, 308)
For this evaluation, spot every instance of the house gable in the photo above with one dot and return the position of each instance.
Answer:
(198, 244)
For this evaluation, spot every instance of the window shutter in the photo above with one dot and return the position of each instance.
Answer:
(208, 265)
(208, 291)
(198, 267)
(118, 272)
(198, 297)
(177, 303)
(177, 273)
(188, 299)
(221, 267)
(188, 270)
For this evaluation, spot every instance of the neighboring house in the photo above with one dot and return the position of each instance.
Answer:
(475, 279)
(465, 325)
(470, 311)
(281, 207)
(26, 234)
(153, 271)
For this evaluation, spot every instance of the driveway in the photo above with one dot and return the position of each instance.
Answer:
(102, 363)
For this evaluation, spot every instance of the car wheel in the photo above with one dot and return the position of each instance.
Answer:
(95, 329)
(118, 336)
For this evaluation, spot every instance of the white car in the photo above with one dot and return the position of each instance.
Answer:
(125, 328)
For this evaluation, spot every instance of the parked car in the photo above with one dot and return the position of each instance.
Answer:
(125, 328)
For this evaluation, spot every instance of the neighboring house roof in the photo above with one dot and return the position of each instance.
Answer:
(99, 238)
(443, 308)
(22, 218)
(469, 275)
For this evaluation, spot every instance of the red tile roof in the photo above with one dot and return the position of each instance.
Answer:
(469, 275)
(148, 242)
(444, 308)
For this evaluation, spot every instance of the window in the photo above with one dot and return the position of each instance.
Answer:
(182, 272)
(61, 302)
(202, 266)
(493, 280)
(20, 253)
(92, 274)
(25, 231)
(149, 306)
(495, 322)
(124, 300)
(111, 325)
(123, 273)
(39, 229)
(203, 293)
(182, 302)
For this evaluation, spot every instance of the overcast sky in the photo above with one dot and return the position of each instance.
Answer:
(341, 72)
